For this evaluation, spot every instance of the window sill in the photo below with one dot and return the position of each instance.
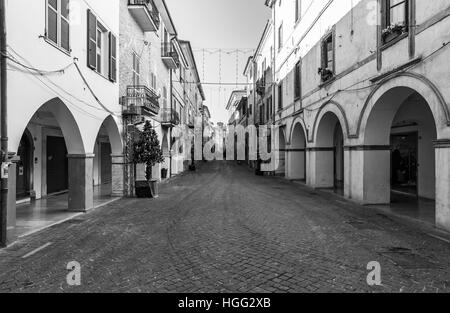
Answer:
(394, 41)
(327, 82)
(51, 43)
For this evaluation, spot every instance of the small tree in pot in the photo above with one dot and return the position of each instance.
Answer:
(147, 150)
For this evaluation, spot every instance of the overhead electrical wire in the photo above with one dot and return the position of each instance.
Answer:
(92, 91)
(65, 91)
(350, 89)
(38, 74)
(38, 71)
(217, 83)
(68, 93)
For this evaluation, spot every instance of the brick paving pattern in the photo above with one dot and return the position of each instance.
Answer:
(223, 229)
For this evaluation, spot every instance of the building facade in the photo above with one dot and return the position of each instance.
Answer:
(83, 76)
(232, 106)
(361, 97)
(194, 97)
(149, 55)
(64, 120)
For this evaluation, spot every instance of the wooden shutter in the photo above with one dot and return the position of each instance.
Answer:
(92, 40)
(297, 81)
(112, 58)
(324, 54)
(385, 5)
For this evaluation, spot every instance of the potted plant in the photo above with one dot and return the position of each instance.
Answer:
(325, 74)
(146, 150)
(393, 31)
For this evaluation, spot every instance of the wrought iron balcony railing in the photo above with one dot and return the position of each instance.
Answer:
(169, 117)
(169, 55)
(261, 87)
(142, 98)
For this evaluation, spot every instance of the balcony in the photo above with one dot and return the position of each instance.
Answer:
(141, 100)
(191, 122)
(169, 56)
(145, 14)
(261, 87)
(169, 117)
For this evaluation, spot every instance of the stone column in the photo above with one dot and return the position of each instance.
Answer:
(11, 235)
(118, 168)
(321, 167)
(367, 174)
(81, 186)
(443, 184)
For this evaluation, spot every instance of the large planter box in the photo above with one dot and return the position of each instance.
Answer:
(144, 189)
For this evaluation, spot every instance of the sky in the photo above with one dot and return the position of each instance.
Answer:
(223, 34)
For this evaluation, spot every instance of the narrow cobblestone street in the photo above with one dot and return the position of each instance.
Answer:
(223, 229)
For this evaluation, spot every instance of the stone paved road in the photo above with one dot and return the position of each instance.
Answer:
(222, 229)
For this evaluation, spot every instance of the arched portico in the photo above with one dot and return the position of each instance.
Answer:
(402, 121)
(326, 157)
(281, 170)
(60, 162)
(109, 161)
(296, 154)
(50, 164)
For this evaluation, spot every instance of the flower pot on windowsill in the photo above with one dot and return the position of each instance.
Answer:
(392, 32)
(388, 37)
(147, 189)
(325, 74)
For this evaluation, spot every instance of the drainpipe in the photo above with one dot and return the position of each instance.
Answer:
(4, 125)
(170, 128)
(274, 87)
(256, 116)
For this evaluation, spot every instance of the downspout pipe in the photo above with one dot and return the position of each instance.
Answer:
(171, 127)
(4, 124)
(274, 85)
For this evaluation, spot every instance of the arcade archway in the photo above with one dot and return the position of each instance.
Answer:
(297, 154)
(328, 153)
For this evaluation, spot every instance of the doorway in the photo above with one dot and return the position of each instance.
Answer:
(24, 167)
(57, 165)
(338, 160)
(404, 166)
(106, 169)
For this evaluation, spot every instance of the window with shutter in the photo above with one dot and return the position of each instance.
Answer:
(395, 19)
(297, 81)
(298, 10)
(92, 40)
(270, 108)
(280, 37)
(327, 60)
(101, 48)
(280, 96)
(112, 58)
(57, 23)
